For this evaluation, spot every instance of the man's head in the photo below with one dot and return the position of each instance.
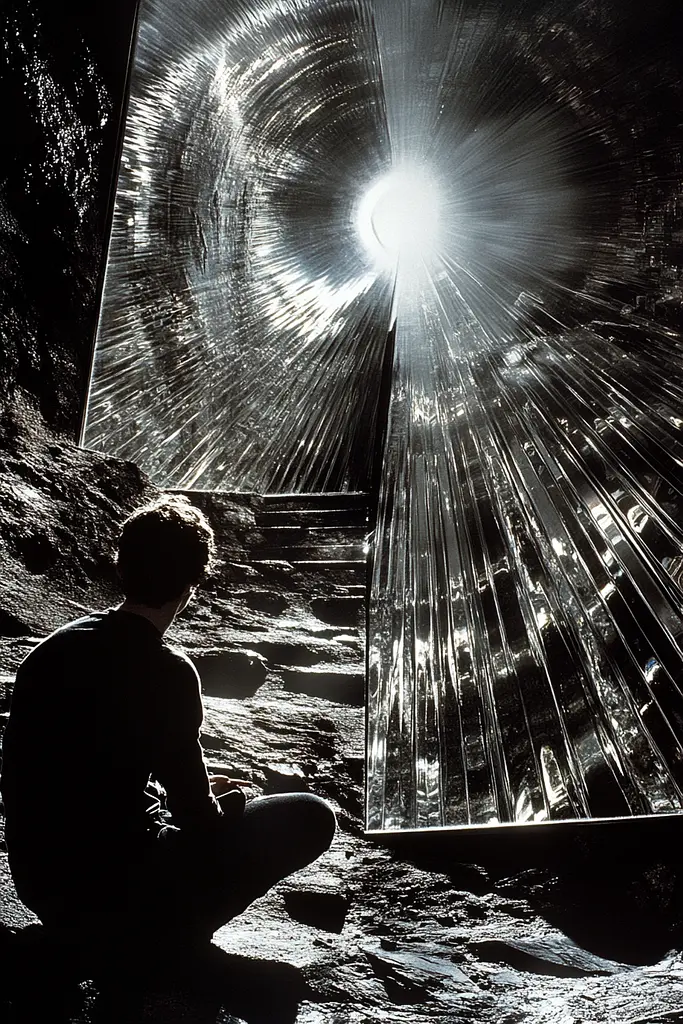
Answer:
(164, 548)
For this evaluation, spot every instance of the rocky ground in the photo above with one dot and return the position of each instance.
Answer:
(493, 929)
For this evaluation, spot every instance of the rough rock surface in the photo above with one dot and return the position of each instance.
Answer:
(367, 934)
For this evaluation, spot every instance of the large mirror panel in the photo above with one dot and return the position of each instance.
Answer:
(441, 239)
(525, 631)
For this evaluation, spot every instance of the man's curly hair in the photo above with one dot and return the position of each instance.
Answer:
(164, 547)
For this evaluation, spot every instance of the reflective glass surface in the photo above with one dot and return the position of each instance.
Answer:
(497, 189)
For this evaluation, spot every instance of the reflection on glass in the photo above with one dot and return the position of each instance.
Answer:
(525, 631)
(493, 186)
(243, 322)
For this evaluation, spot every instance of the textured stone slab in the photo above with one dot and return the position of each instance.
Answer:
(552, 954)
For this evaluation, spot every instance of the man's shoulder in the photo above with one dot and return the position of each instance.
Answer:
(132, 632)
(95, 634)
(118, 637)
(71, 632)
(179, 661)
(92, 622)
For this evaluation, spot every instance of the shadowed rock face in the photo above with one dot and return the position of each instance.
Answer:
(367, 934)
(63, 75)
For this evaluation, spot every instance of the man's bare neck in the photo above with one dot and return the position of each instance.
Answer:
(161, 618)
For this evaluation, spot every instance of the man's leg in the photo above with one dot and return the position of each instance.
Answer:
(186, 887)
(276, 836)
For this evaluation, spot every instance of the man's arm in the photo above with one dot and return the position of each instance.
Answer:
(178, 760)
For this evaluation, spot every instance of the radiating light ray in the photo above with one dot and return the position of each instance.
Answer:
(553, 440)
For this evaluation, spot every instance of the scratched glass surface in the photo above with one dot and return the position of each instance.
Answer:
(243, 323)
(503, 186)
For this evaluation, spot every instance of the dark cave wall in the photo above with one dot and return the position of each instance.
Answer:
(62, 87)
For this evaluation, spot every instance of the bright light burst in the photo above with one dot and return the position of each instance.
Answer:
(398, 219)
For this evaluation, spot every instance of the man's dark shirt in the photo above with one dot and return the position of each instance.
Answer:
(99, 707)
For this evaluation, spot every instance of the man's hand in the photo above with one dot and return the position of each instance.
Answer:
(221, 784)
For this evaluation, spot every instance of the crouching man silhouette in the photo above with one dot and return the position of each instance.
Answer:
(100, 708)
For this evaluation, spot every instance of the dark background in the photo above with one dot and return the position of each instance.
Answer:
(62, 86)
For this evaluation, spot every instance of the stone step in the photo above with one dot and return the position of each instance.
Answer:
(315, 530)
(347, 611)
(339, 687)
(281, 546)
(313, 558)
(293, 536)
(351, 518)
(328, 506)
(314, 578)
(326, 511)
(328, 500)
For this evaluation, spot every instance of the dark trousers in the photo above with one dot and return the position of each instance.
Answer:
(185, 886)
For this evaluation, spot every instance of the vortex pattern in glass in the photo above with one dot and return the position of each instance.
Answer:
(491, 195)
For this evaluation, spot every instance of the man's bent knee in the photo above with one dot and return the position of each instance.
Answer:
(315, 822)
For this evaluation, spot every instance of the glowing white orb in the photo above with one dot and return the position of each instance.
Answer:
(398, 218)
